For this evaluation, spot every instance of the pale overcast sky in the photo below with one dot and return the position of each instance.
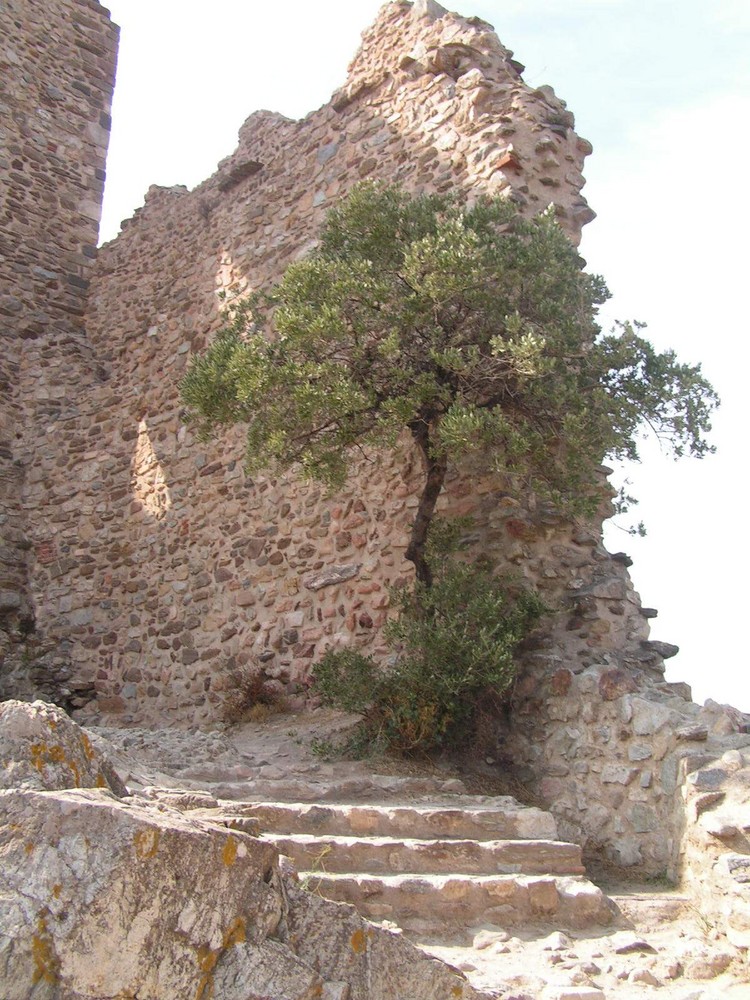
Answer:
(662, 90)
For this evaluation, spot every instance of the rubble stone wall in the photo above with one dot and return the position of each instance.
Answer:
(163, 570)
(57, 65)
(166, 566)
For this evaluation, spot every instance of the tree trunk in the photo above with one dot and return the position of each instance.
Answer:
(436, 468)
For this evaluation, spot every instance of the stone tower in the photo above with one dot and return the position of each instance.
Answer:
(57, 68)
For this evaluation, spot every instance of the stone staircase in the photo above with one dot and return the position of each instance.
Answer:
(439, 868)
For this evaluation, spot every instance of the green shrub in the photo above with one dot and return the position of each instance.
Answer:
(454, 641)
(346, 679)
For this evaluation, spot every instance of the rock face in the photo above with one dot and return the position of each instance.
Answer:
(103, 897)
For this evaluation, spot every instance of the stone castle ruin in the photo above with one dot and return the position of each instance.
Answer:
(140, 570)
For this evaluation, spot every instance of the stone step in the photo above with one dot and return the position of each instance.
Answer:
(452, 904)
(490, 819)
(391, 856)
(217, 781)
(652, 909)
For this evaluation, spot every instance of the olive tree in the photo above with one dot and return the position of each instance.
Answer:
(474, 329)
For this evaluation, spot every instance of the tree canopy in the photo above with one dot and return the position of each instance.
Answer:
(472, 328)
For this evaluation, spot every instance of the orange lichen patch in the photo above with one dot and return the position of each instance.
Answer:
(28, 847)
(229, 854)
(56, 890)
(146, 843)
(358, 942)
(207, 958)
(236, 933)
(42, 754)
(46, 962)
(87, 747)
(457, 991)
(205, 987)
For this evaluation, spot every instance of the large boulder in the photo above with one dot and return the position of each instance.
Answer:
(41, 747)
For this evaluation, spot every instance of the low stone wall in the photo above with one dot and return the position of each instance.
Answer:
(609, 750)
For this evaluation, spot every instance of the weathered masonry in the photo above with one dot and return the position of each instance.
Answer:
(57, 67)
(139, 569)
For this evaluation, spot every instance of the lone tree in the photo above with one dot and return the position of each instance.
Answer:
(474, 329)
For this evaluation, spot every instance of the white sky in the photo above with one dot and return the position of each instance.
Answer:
(662, 90)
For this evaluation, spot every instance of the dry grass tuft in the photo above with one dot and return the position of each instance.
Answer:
(253, 697)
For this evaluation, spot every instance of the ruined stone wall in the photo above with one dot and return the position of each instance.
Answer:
(166, 570)
(57, 64)
(163, 562)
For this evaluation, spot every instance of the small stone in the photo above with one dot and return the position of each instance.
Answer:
(708, 966)
(673, 971)
(590, 968)
(625, 943)
(733, 760)
(556, 941)
(643, 976)
(618, 774)
(615, 683)
(485, 938)
(664, 649)
(738, 866)
(428, 8)
(695, 732)
(712, 777)
(332, 576)
(453, 786)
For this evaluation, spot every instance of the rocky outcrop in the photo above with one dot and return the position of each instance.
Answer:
(103, 896)
(42, 748)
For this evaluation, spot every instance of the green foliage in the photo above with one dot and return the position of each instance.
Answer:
(455, 639)
(472, 328)
(346, 679)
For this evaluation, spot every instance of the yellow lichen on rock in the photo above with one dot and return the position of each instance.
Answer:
(235, 934)
(229, 854)
(42, 754)
(88, 748)
(146, 843)
(46, 962)
(358, 941)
